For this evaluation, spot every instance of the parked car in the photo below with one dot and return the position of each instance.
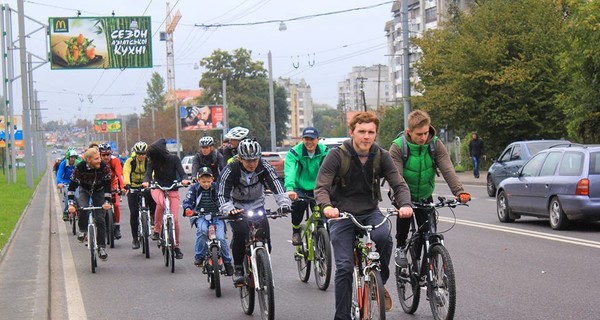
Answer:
(512, 159)
(186, 162)
(561, 183)
(277, 160)
(331, 143)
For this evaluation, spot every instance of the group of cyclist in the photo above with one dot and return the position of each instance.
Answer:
(233, 179)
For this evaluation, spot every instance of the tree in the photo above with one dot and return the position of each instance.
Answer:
(156, 94)
(495, 71)
(328, 121)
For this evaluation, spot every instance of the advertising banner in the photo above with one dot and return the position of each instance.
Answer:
(17, 124)
(100, 42)
(201, 117)
(107, 125)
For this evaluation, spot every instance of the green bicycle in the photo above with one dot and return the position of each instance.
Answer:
(315, 247)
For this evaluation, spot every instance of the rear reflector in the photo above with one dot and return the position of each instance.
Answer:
(583, 187)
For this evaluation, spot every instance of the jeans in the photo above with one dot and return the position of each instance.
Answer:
(201, 236)
(475, 166)
(65, 190)
(99, 215)
(342, 234)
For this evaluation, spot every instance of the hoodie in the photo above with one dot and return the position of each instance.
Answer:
(163, 167)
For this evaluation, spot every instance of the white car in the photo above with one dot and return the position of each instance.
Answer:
(186, 162)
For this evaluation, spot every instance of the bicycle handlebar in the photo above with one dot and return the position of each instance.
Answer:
(253, 215)
(442, 202)
(176, 184)
(137, 190)
(386, 216)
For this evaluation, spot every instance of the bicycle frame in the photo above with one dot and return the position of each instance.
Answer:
(312, 219)
(255, 243)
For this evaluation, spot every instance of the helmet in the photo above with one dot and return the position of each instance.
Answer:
(249, 149)
(140, 147)
(71, 153)
(206, 141)
(104, 147)
(237, 133)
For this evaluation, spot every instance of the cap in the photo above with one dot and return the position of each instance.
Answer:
(310, 132)
(205, 171)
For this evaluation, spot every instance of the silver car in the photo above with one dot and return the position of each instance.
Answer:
(562, 184)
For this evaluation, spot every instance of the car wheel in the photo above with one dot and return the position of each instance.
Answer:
(558, 218)
(502, 208)
(491, 187)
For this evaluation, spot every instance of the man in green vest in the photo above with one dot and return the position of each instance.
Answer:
(417, 160)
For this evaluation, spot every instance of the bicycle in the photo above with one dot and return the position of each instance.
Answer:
(144, 221)
(257, 265)
(167, 235)
(367, 286)
(92, 241)
(315, 247)
(429, 265)
(214, 266)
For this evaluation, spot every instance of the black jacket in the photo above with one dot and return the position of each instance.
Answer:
(163, 166)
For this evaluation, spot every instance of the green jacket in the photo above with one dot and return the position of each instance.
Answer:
(300, 171)
(418, 169)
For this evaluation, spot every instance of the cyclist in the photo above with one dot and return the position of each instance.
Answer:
(164, 168)
(300, 170)
(335, 192)
(235, 135)
(203, 195)
(63, 176)
(207, 157)
(134, 171)
(242, 187)
(117, 182)
(419, 171)
(93, 178)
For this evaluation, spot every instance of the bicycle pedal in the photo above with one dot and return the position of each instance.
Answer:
(298, 257)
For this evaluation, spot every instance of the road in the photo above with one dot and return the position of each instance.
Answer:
(522, 270)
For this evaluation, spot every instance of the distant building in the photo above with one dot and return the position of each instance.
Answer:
(299, 98)
(374, 82)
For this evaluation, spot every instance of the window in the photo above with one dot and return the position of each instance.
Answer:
(550, 164)
(531, 168)
(431, 15)
(572, 164)
(506, 155)
(516, 154)
(595, 163)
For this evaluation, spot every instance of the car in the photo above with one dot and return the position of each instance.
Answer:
(561, 183)
(512, 159)
(331, 143)
(277, 160)
(187, 162)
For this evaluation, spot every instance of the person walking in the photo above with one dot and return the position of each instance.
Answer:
(476, 151)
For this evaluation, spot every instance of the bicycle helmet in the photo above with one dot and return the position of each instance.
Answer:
(71, 153)
(237, 133)
(104, 147)
(249, 149)
(140, 147)
(206, 141)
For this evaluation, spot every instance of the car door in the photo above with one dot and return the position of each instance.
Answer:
(520, 189)
(541, 184)
(509, 163)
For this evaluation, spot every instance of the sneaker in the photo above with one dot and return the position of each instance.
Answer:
(199, 262)
(65, 216)
(400, 258)
(135, 244)
(238, 276)
(388, 300)
(117, 232)
(102, 254)
(228, 269)
(178, 253)
(155, 236)
(296, 238)
(81, 236)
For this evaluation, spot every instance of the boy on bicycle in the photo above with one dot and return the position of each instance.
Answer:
(63, 176)
(357, 191)
(419, 171)
(242, 187)
(300, 170)
(203, 195)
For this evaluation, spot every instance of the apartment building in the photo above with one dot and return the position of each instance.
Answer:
(300, 103)
(373, 81)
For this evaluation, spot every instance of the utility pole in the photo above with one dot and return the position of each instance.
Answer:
(362, 91)
(378, 85)
(171, 99)
(405, 62)
(272, 105)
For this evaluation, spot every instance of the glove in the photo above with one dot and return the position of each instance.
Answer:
(285, 209)
(127, 186)
(106, 205)
(236, 211)
(188, 212)
(464, 197)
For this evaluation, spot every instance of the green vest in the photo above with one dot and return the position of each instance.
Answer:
(419, 172)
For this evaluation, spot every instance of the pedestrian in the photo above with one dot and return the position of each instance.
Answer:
(476, 151)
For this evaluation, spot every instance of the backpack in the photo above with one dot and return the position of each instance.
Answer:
(345, 166)
(405, 151)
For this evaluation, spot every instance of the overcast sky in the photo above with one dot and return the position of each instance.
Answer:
(332, 44)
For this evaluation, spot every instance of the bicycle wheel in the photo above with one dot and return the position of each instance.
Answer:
(442, 288)
(356, 283)
(374, 302)
(301, 256)
(247, 290)
(322, 261)
(171, 244)
(266, 296)
(74, 223)
(162, 243)
(145, 233)
(215, 273)
(110, 228)
(407, 283)
(92, 247)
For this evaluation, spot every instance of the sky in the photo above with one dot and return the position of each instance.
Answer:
(321, 50)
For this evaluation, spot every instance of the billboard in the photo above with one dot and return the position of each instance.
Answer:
(17, 124)
(201, 117)
(107, 125)
(100, 42)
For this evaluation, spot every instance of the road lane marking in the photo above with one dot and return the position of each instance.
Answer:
(529, 233)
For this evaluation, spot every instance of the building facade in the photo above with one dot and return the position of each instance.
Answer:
(368, 86)
(299, 98)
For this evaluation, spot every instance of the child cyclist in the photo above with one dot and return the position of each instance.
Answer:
(203, 195)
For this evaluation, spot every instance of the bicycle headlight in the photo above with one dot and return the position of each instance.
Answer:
(250, 213)
(373, 255)
(260, 212)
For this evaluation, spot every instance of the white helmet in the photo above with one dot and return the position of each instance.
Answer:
(249, 149)
(206, 141)
(237, 133)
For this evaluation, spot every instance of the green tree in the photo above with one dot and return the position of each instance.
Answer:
(156, 94)
(495, 71)
(328, 121)
(391, 122)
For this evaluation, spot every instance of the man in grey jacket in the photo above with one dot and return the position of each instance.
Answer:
(357, 196)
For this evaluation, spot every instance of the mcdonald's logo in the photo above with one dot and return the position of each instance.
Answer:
(61, 25)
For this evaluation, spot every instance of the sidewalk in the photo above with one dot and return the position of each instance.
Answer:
(467, 178)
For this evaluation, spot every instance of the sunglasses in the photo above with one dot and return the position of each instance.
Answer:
(141, 153)
(105, 154)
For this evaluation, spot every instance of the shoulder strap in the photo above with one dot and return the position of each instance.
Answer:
(377, 175)
(344, 166)
(432, 147)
